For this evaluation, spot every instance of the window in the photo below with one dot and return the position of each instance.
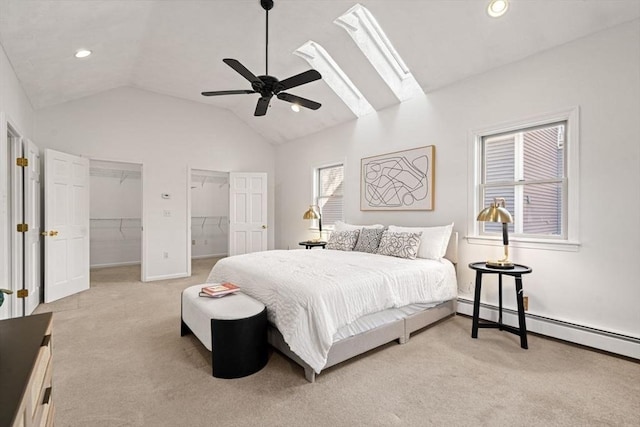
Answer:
(531, 165)
(328, 193)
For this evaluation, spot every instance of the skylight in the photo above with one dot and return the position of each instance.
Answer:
(371, 39)
(333, 76)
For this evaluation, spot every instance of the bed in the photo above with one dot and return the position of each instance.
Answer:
(326, 306)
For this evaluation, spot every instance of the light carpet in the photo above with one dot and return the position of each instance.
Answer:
(119, 360)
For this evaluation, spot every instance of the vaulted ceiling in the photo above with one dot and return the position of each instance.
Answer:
(176, 47)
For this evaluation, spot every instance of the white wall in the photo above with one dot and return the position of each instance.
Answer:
(598, 285)
(15, 109)
(166, 135)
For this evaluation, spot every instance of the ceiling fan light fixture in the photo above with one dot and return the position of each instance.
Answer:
(497, 8)
(82, 53)
(295, 107)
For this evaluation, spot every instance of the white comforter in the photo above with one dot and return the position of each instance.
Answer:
(310, 294)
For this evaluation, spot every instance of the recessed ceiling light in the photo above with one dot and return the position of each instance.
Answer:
(295, 107)
(497, 8)
(83, 53)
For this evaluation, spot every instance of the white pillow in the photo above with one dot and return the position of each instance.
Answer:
(433, 241)
(343, 226)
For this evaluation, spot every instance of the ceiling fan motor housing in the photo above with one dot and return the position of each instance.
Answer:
(267, 86)
(266, 4)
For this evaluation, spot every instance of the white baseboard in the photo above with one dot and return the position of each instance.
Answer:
(208, 256)
(114, 264)
(166, 277)
(603, 340)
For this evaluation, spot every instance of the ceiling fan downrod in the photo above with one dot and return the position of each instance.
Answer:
(267, 5)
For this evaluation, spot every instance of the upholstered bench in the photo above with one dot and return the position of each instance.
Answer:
(233, 328)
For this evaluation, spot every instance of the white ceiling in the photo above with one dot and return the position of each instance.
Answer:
(176, 47)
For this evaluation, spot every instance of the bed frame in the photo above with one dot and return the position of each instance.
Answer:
(400, 330)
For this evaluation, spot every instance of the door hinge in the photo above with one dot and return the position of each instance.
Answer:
(23, 228)
(22, 293)
(22, 161)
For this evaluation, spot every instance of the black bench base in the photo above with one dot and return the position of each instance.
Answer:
(239, 346)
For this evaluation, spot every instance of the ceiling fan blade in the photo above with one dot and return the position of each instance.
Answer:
(297, 80)
(263, 104)
(303, 102)
(241, 69)
(228, 92)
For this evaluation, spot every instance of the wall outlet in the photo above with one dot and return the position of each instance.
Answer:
(166, 213)
(525, 302)
(165, 255)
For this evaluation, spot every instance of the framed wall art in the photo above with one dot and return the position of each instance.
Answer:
(403, 180)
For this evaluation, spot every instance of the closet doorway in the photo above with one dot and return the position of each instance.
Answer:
(115, 215)
(209, 214)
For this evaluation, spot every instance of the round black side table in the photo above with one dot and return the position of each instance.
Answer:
(517, 271)
(311, 244)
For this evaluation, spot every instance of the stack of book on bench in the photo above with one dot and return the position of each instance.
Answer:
(218, 290)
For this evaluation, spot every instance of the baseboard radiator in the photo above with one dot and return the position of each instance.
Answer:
(612, 342)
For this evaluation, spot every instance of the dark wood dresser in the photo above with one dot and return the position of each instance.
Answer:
(25, 371)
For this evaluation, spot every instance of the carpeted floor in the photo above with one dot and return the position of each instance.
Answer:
(119, 360)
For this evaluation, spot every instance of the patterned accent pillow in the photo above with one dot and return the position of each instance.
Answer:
(401, 245)
(369, 240)
(343, 240)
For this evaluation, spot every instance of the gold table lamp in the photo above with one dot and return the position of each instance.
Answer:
(314, 213)
(497, 212)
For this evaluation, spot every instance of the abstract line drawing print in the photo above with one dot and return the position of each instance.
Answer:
(398, 181)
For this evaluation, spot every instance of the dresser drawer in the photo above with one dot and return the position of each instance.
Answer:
(41, 371)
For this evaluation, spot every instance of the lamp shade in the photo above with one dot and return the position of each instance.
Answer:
(495, 213)
(311, 213)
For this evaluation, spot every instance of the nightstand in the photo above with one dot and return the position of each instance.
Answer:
(311, 244)
(517, 271)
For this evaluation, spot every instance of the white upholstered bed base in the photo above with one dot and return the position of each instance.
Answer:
(347, 348)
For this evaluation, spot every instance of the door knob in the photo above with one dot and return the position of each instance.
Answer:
(264, 227)
(53, 233)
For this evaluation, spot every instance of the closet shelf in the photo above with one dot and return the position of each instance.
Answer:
(117, 224)
(218, 222)
(119, 174)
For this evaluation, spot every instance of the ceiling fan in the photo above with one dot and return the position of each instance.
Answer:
(268, 86)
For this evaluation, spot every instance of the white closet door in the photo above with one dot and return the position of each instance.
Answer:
(247, 212)
(66, 246)
(32, 257)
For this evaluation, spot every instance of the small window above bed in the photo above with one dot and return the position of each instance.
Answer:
(328, 194)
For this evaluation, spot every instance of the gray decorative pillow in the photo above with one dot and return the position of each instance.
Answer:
(368, 240)
(401, 245)
(343, 240)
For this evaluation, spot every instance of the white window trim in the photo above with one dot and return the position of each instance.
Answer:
(571, 242)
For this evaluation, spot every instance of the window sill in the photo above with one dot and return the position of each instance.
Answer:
(529, 243)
